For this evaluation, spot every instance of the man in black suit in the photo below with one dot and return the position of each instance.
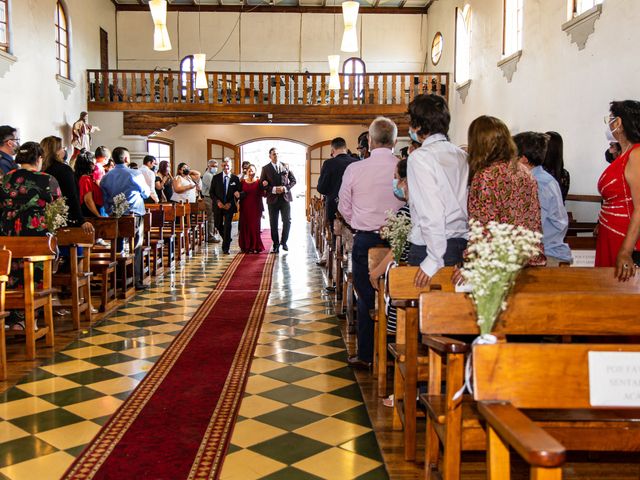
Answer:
(277, 181)
(224, 192)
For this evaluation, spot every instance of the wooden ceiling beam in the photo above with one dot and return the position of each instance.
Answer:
(273, 9)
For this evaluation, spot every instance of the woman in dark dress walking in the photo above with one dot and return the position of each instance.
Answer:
(250, 213)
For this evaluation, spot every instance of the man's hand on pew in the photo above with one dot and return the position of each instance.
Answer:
(421, 280)
(87, 227)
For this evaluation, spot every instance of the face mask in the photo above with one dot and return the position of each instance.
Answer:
(609, 134)
(185, 171)
(413, 136)
(398, 191)
(213, 170)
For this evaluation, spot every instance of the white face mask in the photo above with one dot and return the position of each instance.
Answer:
(609, 133)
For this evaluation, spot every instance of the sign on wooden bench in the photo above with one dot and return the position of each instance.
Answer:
(614, 379)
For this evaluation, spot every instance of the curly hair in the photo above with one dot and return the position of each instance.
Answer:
(429, 114)
(629, 113)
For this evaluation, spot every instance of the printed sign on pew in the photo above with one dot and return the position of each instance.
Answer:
(614, 379)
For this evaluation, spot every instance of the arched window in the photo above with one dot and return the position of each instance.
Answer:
(512, 26)
(463, 44)
(354, 65)
(578, 7)
(62, 41)
(187, 70)
(4, 25)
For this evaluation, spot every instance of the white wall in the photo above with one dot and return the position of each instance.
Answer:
(30, 95)
(285, 42)
(556, 86)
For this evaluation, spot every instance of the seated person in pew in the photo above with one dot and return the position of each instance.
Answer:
(555, 220)
(91, 200)
(24, 193)
(401, 191)
(437, 176)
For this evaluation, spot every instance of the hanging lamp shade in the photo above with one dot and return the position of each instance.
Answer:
(161, 40)
(350, 17)
(334, 78)
(199, 64)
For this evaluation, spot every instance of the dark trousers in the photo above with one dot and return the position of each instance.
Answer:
(452, 256)
(362, 242)
(224, 222)
(280, 207)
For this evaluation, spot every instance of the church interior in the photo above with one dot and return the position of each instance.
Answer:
(144, 338)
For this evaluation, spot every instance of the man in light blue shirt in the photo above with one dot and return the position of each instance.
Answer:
(122, 179)
(555, 221)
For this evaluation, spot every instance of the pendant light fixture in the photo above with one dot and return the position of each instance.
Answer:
(161, 40)
(350, 17)
(334, 62)
(200, 61)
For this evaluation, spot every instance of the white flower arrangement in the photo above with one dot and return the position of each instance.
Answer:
(56, 214)
(396, 231)
(120, 205)
(495, 255)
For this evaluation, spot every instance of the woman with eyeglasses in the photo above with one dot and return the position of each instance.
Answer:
(618, 242)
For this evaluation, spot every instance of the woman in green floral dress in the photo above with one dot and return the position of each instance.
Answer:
(24, 194)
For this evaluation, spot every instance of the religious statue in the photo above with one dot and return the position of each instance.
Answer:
(81, 135)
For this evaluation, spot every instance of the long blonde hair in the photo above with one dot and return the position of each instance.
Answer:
(489, 142)
(50, 145)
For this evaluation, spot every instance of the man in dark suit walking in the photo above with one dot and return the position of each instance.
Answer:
(331, 178)
(277, 181)
(224, 192)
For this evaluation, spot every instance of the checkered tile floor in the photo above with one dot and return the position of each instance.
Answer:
(302, 416)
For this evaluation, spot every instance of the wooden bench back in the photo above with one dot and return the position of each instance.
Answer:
(126, 226)
(74, 236)
(376, 254)
(5, 263)
(544, 376)
(581, 243)
(574, 279)
(24, 247)
(401, 287)
(105, 227)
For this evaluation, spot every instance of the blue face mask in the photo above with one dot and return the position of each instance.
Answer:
(414, 136)
(397, 191)
(213, 170)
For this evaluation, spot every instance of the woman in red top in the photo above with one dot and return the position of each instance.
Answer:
(619, 221)
(250, 213)
(90, 193)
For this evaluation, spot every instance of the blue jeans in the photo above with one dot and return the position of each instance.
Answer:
(452, 256)
(362, 242)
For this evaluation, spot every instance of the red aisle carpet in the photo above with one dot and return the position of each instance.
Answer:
(178, 422)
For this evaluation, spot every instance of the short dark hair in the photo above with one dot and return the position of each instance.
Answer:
(429, 114)
(404, 153)
(363, 140)
(85, 164)
(133, 166)
(6, 132)
(148, 159)
(180, 165)
(28, 153)
(532, 146)
(338, 143)
(629, 113)
(271, 150)
(119, 154)
(102, 152)
(401, 167)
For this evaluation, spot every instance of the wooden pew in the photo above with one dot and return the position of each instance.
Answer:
(153, 234)
(376, 255)
(554, 380)
(165, 231)
(146, 248)
(126, 257)
(5, 269)
(339, 264)
(103, 260)
(182, 234)
(410, 358)
(78, 279)
(31, 298)
(544, 302)
(198, 222)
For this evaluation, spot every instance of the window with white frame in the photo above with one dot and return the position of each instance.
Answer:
(512, 27)
(578, 7)
(4, 25)
(463, 44)
(62, 41)
(162, 150)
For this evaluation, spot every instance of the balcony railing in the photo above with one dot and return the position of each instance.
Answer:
(174, 90)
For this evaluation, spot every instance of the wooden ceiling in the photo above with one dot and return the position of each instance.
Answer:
(280, 6)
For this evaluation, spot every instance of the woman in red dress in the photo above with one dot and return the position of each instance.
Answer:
(250, 213)
(618, 243)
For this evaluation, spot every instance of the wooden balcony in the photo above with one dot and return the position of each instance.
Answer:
(154, 100)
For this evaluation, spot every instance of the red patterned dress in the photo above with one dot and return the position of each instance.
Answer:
(615, 214)
(506, 193)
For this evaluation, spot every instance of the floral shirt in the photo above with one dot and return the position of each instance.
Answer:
(506, 193)
(23, 197)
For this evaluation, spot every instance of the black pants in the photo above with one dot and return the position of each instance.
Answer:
(280, 207)
(452, 256)
(224, 221)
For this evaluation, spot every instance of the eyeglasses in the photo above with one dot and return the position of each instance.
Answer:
(13, 139)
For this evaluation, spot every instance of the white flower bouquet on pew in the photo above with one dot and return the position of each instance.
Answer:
(120, 205)
(56, 214)
(396, 231)
(495, 255)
